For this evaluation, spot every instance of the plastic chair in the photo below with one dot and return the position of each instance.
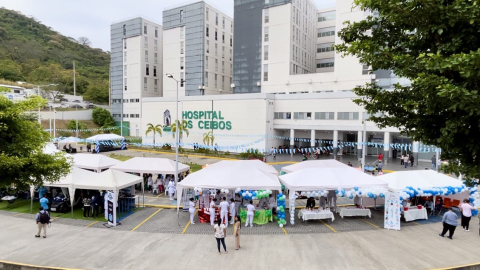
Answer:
(455, 203)
(447, 203)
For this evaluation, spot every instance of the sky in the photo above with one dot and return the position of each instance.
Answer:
(92, 18)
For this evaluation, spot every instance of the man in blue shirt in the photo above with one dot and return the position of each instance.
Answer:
(41, 192)
(44, 202)
(449, 223)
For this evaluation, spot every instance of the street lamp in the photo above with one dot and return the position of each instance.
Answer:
(176, 130)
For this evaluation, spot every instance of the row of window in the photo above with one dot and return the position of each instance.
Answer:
(326, 16)
(216, 81)
(207, 13)
(155, 83)
(207, 33)
(155, 56)
(132, 100)
(216, 50)
(325, 65)
(145, 30)
(126, 115)
(216, 65)
(318, 115)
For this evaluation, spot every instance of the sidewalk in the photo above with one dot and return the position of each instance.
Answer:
(415, 247)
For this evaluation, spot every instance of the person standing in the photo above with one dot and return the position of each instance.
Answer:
(434, 162)
(402, 158)
(380, 166)
(171, 189)
(95, 205)
(87, 202)
(150, 183)
(449, 223)
(380, 156)
(212, 211)
(220, 233)
(44, 202)
(224, 211)
(42, 219)
(191, 209)
(466, 214)
(250, 214)
(232, 210)
(236, 231)
(412, 160)
(405, 161)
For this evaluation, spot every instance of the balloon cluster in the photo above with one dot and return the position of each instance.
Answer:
(315, 194)
(281, 207)
(198, 189)
(474, 198)
(224, 191)
(364, 192)
(253, 194)
(411, 192)
(292, 211)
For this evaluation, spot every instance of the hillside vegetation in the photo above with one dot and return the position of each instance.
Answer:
(35, 53)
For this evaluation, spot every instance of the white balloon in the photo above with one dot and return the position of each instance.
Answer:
(227, 191)
(281, 225)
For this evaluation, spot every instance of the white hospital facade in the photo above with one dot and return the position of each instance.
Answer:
(266, 78)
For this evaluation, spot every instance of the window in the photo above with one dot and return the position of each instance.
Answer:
(325, 47)
(265, 52)
(326, 16)
(265, 73)
(155, 46)
(125, 57)
(206, 61)
(206, 79)
(182, 32)
(216, 32)
(231, 41)
(154, 71)
(145, 29)
(207, 31)
(181, 16)
(280, 115)
(208, 46)
(156, 31)
(223, 67)
(223, 51)
(231, 54)
(125, 44)
(265, 31)
(125, 101)
(181, 62)
(216, 65)
(125, 70)
(326, 63)
(223, 82)
(302, 115)
(144, 84)
(365, 70)
(206, 14)
(145, 42)
(216, 49)
(215, 81)
(223, 37)
(325, 32)
(155, 58)
(125, 84)
(181, 79)
(181, 47)
(125, 32)
(223, 22)
(216, 18)
(155, 83)
(132, 100)
(146, 56)
(267, 16)
(115, 101)
(231, 69)
(347, 115)
(147, 69)
(325, 116)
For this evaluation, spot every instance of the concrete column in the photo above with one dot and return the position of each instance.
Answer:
(312, 138)
(292, 139)
(359, 144)
(415, 146)
(335, 144)
(386, 147)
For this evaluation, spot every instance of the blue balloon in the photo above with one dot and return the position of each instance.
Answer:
(351, 197)
(401, 198)
(336, 192)
(355, 188)
(359, 193)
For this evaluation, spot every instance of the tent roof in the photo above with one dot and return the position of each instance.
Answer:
(108, 180)
(71, 178)
(150, 165)
(245, 164)
(328, 179)
(330, 163)
(231, 178)
(94, 162)
(50, 148)
(423, 179)
(105, 137)
(69, 139)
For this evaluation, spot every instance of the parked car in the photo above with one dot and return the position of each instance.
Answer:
(76, 106)
(77, 101)
(63, 106)
(64, 99)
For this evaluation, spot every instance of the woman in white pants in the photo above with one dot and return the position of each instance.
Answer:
(171, 189)
(191, 209)
(250, 214)
(232, 210)
(212, 211)
(224, 211)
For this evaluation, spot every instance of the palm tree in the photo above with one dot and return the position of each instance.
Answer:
(155, 129)
(208, 138)
(183, 128)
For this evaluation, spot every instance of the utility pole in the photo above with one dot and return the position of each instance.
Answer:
(76, 106)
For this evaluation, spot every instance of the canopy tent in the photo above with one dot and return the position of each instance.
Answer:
(150, 165)
(423, 179)
(105, 137)
(230, 178)
(330, 163)
(313, 179)
(68, 140)
(94, 162)
(246, 164)
(50, 149)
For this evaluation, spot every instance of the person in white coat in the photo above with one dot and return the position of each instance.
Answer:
(224, 211)
(171, 189)
(250, 214)
(232, 210)
(213, 204)
(191, 209)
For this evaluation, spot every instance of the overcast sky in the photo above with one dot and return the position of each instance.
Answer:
(92, 18)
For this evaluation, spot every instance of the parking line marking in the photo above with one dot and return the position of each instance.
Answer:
(161, 194)
(188, 224)
(284, 231)
(330, 227)
(138, 226)
(95, 222)
(17, 215)
(369, 223)
(54, 218)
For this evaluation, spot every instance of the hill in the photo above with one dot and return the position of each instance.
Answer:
(33, 52)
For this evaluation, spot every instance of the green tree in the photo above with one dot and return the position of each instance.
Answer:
(183, 128)
(10, 70)
(102, 117)
(153, 129)
(22, 161)
(72, 125)
(208, 138)
(435, 44)
(98, 94)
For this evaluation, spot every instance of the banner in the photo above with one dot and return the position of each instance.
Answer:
(392, 211)
(111, 208)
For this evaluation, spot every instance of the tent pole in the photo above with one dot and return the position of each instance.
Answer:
(72, 202)
(143, 192)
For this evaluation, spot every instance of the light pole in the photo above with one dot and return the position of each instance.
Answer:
(364, 141)
(177, 125)
(38, 94)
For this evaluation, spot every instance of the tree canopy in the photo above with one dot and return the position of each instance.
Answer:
(435, 44)
(22, 161)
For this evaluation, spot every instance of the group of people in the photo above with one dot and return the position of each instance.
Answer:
(163, 183)
(92, 204)
(405, 159)
(450, 222)
(329, 201)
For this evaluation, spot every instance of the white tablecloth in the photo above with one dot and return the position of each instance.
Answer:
(353, 212)
(413, 214)
(307, 215)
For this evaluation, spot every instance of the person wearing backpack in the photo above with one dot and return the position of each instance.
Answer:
(42, 219)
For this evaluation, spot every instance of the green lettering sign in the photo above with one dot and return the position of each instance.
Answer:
(208, 120)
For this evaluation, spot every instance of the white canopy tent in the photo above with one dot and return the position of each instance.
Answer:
(246, 164)
(105, 137)
(313, 179)
(229, 177)
(150, 165)
(50, 149)
(423, 179)
(68, 140)
(330, 163)
(94, 162)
